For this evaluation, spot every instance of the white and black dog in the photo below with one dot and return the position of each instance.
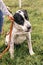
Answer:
(21, 31)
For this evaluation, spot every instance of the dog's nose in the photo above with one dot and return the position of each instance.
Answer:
(29, 27)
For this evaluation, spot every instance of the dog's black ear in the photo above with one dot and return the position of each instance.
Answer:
(18, 19)
(25, 14)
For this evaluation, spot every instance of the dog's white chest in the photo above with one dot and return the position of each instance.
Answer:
(19, 38)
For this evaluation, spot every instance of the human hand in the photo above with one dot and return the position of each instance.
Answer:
(11, 18)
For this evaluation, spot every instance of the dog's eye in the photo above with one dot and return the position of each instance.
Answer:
(19, 11)
(18, 19)
(21, 21)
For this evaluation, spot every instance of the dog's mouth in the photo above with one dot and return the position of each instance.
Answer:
(29, 30)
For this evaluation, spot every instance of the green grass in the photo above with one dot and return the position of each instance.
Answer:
(22, 56)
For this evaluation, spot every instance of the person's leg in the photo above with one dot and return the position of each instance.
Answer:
(1, 21)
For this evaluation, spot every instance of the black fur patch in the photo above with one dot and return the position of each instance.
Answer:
(18, 19)
(25, 14)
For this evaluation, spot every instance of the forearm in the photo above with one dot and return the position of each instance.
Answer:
(4, 8)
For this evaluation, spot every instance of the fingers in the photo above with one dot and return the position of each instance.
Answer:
(11, 18)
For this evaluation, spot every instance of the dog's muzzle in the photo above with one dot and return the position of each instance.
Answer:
(28, 29)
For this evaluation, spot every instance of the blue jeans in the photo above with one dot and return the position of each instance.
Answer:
(1, 20)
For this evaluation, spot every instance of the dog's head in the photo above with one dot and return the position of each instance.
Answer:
(21, 19)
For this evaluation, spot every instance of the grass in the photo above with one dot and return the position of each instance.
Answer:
(22, 56)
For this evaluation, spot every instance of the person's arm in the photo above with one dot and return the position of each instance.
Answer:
(5, 10)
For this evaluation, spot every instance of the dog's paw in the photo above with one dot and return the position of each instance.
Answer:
(32, 53)
(12, 57)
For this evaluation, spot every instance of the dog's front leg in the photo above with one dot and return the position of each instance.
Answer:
(11, 49)
(29, 44)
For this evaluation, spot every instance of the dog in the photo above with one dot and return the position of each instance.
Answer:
(21, 31)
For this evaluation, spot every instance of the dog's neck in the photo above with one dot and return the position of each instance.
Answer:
(19, 30)
(17, 27)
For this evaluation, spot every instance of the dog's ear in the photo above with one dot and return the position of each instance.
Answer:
(18, 19)
(25, 14)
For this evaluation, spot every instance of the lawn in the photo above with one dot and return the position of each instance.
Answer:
(21, 55)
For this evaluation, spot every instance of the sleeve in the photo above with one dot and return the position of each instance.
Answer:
(4, 8)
